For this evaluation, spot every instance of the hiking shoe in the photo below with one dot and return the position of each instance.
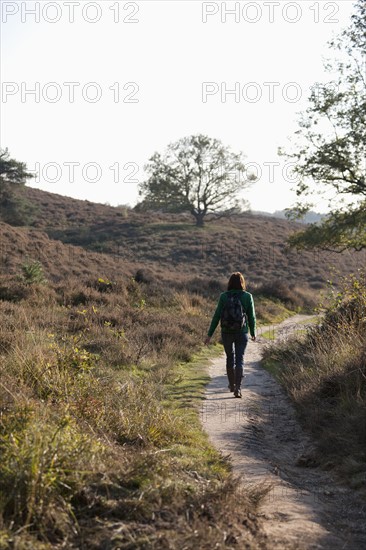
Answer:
(231, 387)
(237, 392)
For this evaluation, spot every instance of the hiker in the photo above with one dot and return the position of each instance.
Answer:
(235, 310)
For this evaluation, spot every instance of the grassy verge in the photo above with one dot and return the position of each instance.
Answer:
(324, 371)
(271, 311)
(270, 334)
(273, 332)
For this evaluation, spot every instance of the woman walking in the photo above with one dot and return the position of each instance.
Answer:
(235, 310)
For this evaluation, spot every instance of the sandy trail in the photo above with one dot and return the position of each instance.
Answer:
(305, 508)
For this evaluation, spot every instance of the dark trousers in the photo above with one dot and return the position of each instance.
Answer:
(234, 345)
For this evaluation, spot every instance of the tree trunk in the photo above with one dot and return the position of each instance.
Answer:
(199, 218)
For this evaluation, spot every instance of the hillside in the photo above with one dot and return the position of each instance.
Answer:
(309, 217)
(19, 245)
(101, 388)
(254, 244)
(102, 381)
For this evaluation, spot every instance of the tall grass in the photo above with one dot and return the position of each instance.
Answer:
(325, 374)
(99, 428)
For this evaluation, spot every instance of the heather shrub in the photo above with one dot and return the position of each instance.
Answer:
(13, 291)
(290, 295)
(204, 286)
(144, 275)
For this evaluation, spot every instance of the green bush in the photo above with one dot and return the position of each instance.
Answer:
(33, 273)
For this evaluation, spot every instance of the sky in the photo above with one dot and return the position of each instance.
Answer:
(91, 90)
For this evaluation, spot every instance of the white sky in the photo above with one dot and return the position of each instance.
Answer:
(169, 52)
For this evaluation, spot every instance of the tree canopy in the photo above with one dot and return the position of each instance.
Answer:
(332, 156)
(196, 174)
(13, 175)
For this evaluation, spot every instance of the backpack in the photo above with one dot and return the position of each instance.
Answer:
(233, 316)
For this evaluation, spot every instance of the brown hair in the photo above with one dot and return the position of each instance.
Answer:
(236, 282)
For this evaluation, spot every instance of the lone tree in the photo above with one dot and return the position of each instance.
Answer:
(196, 174)
(14, 209)
(333, 157)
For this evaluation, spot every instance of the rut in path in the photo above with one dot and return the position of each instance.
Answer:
(305, 507)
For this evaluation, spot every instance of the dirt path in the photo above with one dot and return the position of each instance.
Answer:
(305, 508)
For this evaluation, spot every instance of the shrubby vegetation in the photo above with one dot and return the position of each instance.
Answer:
(325, 374)
(33, 272)
(101, 386)
(100, 439)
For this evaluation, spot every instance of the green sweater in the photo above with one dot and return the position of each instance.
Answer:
(248, 306)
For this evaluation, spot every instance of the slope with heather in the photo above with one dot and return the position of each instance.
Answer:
(254, 244)
(101, 384)
(102, 374)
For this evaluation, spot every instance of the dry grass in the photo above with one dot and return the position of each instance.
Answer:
(325, 374)
(100, 437)
(100, 388)
(292, 296)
